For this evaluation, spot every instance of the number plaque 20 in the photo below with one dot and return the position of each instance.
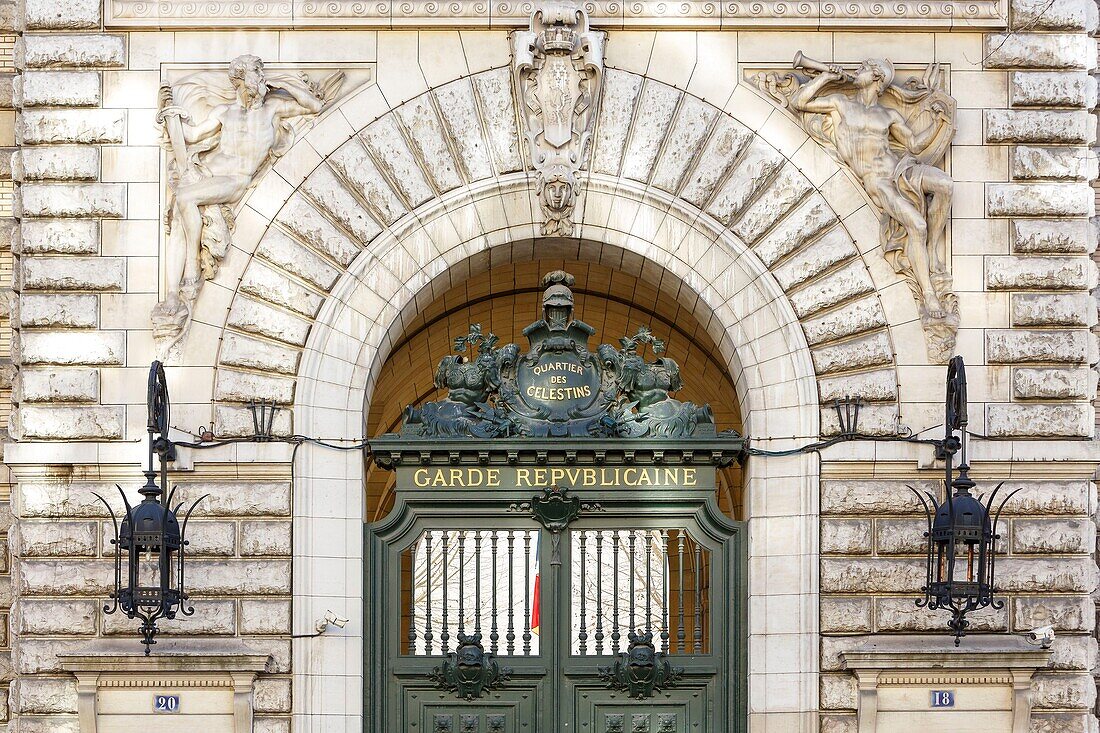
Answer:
(166, 703)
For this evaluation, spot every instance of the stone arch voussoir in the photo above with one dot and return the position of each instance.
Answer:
(751, 227)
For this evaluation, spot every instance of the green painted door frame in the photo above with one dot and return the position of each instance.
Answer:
(555, 691)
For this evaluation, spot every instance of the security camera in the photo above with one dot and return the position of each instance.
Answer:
(330, 619)
(339, 622)
(1042, 636)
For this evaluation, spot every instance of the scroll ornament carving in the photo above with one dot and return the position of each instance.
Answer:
(893, 137)
(222, 132)
(557, 67)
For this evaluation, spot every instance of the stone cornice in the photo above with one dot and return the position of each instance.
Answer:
(604, 14)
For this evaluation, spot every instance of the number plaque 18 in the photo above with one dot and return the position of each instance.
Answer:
(943, 698)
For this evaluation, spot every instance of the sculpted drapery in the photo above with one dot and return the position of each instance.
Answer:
(223, 131)
(893, 137)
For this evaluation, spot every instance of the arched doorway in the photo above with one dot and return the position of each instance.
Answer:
(502, 300)
(552, 553)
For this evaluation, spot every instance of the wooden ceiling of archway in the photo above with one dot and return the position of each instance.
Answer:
(505, 300)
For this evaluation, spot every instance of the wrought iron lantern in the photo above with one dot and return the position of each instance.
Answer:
(150, 540)
(962, 531)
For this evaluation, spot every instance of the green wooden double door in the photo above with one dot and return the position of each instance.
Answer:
(485, 618)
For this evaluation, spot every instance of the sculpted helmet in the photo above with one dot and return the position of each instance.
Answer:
(557, 300)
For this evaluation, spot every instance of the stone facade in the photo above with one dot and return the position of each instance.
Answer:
(417, 179)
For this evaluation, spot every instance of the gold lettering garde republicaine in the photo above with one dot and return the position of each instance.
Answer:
(625, 477)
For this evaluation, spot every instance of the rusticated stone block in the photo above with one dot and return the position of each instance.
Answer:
(1063, 691)
(1039, 51)
(1073, 653)
(877, 386)
(61, 14)
(1047, 497)
(57, 163)
(62, 311)
(46, 724)
(851, 318)
(1054, 421)
(271, 725)
(54, 50)
(240, 577)
(279, 249)
(1065, 613)
(71, 348)
(903, 614)
(839, 724)
(59, 89)
(80, 200)
(234, 386)
(786, 189)
(1039, 199)
(60, 499)
(1034, 126)
(238, 499)
(846, 536)
(217, 539)
(55, 539)
(859, 575)
(1055, 309)
(250, 353)
(265, 616)
(1039, 273)
(845, 614)
(834, 247)
(847, 282)
(212, 617)
(81, 126)
(1053, 384)
(1062, 723)
(1064, 164)
(58, 237)
(806, 222)
(236, 422)
(56, 578)
(39, 656)
(1019, 346)
(900, 536)
(269, 285)
(872, 497)
(1046, 575)
(871, 350)
(873, 420)
(251, 316)
(74, 273)
(272, 695)
(1052, 536)
(838, 692)
(265, 538)
(1052, 89)
(1053, 236)
(1053, 15)
(302, 217)
(67, 423)
(42, 696)
(45, 617)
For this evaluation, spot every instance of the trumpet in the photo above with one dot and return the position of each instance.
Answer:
(809, 64)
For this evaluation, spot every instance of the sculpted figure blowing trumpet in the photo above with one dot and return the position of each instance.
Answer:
(892, 138)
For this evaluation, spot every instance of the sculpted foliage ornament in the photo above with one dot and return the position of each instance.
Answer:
(557, 65)
(222, 132)
(559, 387)
(893, 137)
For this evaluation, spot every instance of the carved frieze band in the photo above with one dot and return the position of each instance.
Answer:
(608, 14)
